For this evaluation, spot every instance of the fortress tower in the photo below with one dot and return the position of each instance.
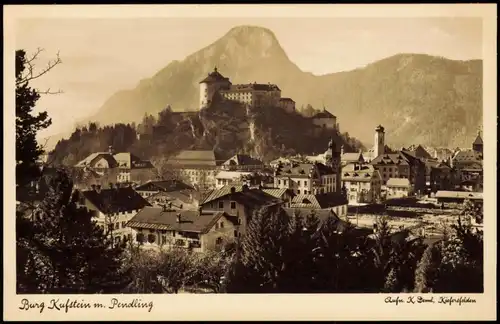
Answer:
(210, 85)
(332, 158)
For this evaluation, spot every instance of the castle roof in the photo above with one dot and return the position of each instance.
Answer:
(252, 87)
(324, 114)
(214, 76)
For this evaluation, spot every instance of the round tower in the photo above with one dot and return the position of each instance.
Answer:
(379, 144)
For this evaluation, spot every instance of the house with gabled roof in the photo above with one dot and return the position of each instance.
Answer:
(242, 162)
(197, 230)
(199, 167)
(125, 166)
(398, 188)
(306, 178)
(112, 208)
(325, 119)
(362, 182)
(401, 165)
(238, 201)
(333, 201)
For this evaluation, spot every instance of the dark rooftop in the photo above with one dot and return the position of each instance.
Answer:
(114, 200)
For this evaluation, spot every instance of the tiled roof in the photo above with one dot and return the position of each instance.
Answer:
(252, 87)
(352, 157)
(160, 219)
(287, 99)
(248, 197)
(324, 114)
(303, 170)
(322, 215)
(319, 201)
(459, 194)
(115, 200)
(467, 156)
(363, 172)
(124, 160)
(94, 157)
(194, 157)
(243, 159)
(398, 182)
(214, 76)
(391, 158)
(275, 192)
(163, 185)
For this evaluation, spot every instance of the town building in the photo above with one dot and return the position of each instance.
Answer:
(398, 188)
(225, 178)
(112, 208)
(311, 178)
(333, 201)
(325, 119)
(323, 215)
(458, 197)
(287, 104)
(173, 193)
(198, 167)
(468, 166)
(242, 162)
(252, 94)
(240, 202)
(362, 183)
(351, 158)
(118, 167)
(438, 176)
(197, 230)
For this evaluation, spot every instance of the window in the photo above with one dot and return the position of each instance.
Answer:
(221, 224)
(140, 238)
(298, 183)
(129, 237)
(221, 205)
(305, 183)
(117, 240)
(216, 225)
(110, 227)
(298, 191)
(218, 241)
(235, 233)
(233, 205)
(279, 182)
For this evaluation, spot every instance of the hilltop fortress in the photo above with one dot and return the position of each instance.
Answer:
(252, 94)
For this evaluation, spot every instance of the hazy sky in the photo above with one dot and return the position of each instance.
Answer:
(102, 56)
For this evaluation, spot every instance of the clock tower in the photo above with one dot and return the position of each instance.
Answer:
(379, 146)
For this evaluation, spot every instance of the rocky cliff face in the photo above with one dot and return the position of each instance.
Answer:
(418, 98)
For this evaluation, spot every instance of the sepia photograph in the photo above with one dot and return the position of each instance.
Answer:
(220, 153)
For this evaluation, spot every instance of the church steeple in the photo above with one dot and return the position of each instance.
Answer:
(477, 145)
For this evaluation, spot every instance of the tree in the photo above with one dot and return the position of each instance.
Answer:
(259, 264)
(63, 250)
(27, 125)
(455, 264)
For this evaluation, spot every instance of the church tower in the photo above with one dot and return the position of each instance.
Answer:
(379, 144)
(477, 145)
(332, 159)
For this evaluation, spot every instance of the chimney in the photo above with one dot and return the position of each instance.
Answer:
(179, 218)
(244, 188)
(233, 190)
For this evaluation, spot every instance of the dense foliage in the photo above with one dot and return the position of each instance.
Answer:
(226, 127)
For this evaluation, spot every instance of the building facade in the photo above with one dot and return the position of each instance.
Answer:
(362, 183)
(196, 230)
(112, 208)
(198, 167)
(399, 188)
